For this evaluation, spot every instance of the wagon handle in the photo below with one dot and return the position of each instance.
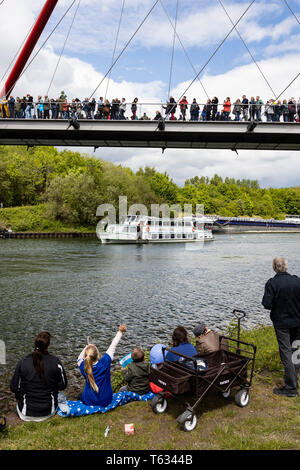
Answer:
(236, 313)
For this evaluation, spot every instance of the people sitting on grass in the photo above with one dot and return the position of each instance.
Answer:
(137, 373)
(207, 340)
(36, 382)
(96, 371)
(180, 345)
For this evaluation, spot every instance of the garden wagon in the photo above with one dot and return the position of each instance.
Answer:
(230, 367)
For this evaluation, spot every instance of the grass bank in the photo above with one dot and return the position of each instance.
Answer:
(269, 422)
(35, 219)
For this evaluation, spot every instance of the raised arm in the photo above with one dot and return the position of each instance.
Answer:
(81, 356)
(115, 341)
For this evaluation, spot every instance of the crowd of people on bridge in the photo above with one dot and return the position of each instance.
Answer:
(242, 109)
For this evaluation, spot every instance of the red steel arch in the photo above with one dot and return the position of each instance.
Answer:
(28, 47)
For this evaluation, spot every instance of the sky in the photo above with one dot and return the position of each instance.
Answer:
(269, 29)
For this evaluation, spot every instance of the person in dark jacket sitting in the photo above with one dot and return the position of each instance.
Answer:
(137, 373)
(36, 382)
(282, 297)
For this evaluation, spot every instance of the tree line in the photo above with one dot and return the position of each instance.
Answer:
(72, 185)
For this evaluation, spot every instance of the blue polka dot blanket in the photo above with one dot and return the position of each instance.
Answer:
(77, 408)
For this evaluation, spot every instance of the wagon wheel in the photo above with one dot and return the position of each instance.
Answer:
(159, 404)
(187, 421)
(242, 397)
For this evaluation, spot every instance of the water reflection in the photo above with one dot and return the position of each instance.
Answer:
(74, 288)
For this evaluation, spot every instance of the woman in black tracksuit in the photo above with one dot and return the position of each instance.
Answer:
(36, 382)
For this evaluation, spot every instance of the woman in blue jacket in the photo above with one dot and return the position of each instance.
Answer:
(181, 345)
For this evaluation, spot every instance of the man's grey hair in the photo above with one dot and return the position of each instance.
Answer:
(280, 265)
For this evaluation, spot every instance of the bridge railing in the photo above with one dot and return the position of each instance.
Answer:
(281, 112)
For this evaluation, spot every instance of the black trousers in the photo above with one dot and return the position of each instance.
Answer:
(288, 356)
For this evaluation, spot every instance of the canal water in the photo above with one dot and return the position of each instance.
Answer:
(75, 288)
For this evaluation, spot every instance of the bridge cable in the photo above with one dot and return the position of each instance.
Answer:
(116, 42)
(184, 49)
(288, 86)
(46, 40)
(1, 3)
(213, 54)
(17, 53)
(125, 47)
(292, 11)
(63, 48)
(173, 50)
(250, 53)
(294, 79)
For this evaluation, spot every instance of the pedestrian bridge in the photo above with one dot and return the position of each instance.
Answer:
(232, 135)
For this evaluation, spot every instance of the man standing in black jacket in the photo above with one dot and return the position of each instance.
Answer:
(282, 297)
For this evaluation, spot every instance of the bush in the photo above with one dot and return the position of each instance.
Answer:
(36, 219)
(263, 337)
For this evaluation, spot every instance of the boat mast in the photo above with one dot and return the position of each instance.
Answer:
(28, 47)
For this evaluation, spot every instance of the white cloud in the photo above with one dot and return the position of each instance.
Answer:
(247, 79)
(78, 77)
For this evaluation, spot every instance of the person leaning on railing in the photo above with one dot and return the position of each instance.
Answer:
(214, 108)
(237, 109)
(258, 105)
(226, 109)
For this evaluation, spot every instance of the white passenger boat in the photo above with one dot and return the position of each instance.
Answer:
(144, 229)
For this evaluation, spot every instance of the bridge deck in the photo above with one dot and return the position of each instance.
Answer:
(178, 134)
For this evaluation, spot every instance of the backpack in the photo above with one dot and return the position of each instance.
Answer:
(292, 108)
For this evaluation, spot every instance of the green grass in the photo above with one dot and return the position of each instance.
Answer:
(269, 422)
(35, 219)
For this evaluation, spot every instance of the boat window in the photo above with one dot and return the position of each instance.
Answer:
(167, 235)
(149, 222)
(187, 224)
(172, 235)
(132, 229)
(133, 217)
(154, 236)
(179, 223)
(166, 223)
(125, 229)
(160, 235)
(172, 223)
(179, 235)
(160, 223)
